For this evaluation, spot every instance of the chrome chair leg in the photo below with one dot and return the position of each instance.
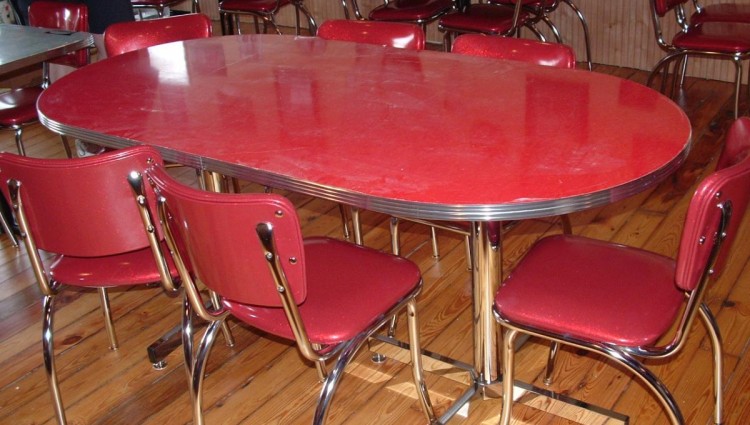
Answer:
(712, 328)
(585, 25)
(416, 361)
(187, 336)
(228, 337)
(509, 353)
(4, 222)
(19, 141)
(108, 324)
(553, 348)
(334, 377)
(199, 365)
(345, 221)
(48, 350)
(433, 238)
(320, 366)
(356, 225)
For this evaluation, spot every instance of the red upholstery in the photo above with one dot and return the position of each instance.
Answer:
(418, 11)
(253, 5)
(725, 37)
(621, 301)
(482, 18)
(393, 34)
(739, 135)
(75, 210)
(593, 290)
(266, 10)
(63, 16)
(124, 37)
(18, 106)
(326, 295)
(722, 12)
(330, 279)
(517, 49)
(716, 40)
(82, 213)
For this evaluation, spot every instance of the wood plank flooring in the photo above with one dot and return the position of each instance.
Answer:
(262, 380)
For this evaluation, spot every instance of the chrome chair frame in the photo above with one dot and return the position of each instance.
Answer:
(230, 18)
(160, 5)
(542, 9)
(680, 56)
(709, 223)
(515, 27)
(195, 360)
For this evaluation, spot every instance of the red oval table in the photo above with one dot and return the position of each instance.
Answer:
(427, 134)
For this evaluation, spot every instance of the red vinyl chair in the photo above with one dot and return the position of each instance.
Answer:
(421, 12)
(160, 5)
(714, 40)
(626, 303)
(18, 106)
(720, 12)
(123, 37)
(265, 10)
(393, 34)
(516, 49)
(80, 212)
(485, 18)
(327, 295)
(543, 8)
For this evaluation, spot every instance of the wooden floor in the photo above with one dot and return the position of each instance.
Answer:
(263, 381)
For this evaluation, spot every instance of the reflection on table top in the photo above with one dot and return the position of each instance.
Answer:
(21, 46)
(422, 134)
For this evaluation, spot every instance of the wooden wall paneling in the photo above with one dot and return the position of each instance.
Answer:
(622, 32)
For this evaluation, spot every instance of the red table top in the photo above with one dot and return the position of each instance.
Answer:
(421, 134)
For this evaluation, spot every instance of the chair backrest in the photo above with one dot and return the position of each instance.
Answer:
(394, 34)
(216, 234)
(123, 37)
(79, 207)
(516, 49)
(62, 16)
(716, 209)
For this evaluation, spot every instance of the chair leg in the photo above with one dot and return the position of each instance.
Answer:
(199, 365)
(737, 86)
(19, 141)
(187, 336)
(320, 365)
(647, 377)
(509, 353)
(224, 326)
(48, 350)
(345, 221)
(713, 332)
(433, 238)
(416, 362)
(312, 26)
(108, 324)
(356, 226)
(469, 261)
(6, 215)
(334, 377)
(585, 25)
(553, 348)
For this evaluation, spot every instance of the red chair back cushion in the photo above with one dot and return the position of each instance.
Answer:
(123, 37)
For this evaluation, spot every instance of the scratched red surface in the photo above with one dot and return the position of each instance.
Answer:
(378, 123)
